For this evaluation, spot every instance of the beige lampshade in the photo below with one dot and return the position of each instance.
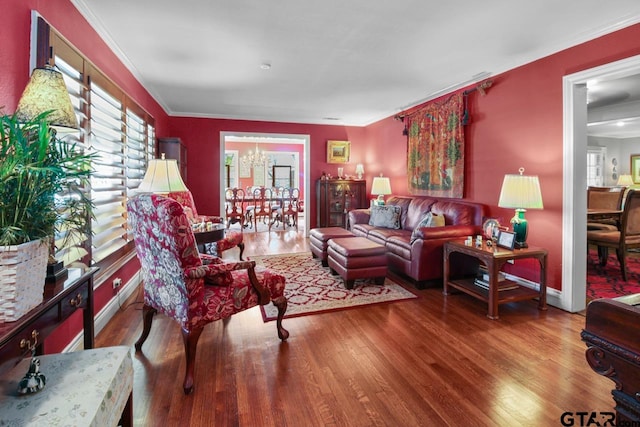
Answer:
(46, 91)
(625, 180)
(162, 177)
(520, 192)
(381, 186)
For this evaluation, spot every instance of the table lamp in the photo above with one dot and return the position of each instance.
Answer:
(625, 180)
(520, 192)
(162, 177)
(381, 187)
(359, 170)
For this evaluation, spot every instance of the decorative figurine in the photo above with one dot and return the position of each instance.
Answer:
(34, 380)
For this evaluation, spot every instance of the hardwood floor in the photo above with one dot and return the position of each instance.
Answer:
(430, 361)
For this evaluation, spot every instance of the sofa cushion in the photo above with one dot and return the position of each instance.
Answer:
(385, 217)
(429, 220)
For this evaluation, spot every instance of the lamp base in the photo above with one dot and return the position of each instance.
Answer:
(56, 271)
(520, 228)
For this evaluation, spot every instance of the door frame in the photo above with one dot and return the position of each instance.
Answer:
(274, 138)
(574, 199)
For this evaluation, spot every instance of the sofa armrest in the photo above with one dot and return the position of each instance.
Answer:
(449, 231)
(359, 216)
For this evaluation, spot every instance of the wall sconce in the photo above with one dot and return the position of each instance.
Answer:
(380, 187)
(359, 170)
(520, 192)
(162, 177)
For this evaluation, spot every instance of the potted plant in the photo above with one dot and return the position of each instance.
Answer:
(42, 182)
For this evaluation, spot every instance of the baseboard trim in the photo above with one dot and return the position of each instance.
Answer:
(107, 312)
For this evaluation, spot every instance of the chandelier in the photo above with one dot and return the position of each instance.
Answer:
(254, 158)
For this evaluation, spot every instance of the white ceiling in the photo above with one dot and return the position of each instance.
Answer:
(349, 62)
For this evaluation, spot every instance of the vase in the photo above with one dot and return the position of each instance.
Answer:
(22, 274)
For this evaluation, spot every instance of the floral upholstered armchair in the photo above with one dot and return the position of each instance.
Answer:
(231, 238)
(193, 289)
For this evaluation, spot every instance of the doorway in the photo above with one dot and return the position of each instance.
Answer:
(574, 203)
(269, 138)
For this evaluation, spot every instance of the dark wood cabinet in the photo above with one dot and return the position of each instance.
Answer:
(336, 197)
(173, 148)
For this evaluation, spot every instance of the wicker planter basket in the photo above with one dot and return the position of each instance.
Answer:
(22, 273)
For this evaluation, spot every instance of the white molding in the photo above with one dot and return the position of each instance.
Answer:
(574, 199)
(107, 312)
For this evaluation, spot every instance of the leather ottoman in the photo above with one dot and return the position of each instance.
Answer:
(319, 238)
(357, 258)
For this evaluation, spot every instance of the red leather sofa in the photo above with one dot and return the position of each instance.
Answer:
(420, 256)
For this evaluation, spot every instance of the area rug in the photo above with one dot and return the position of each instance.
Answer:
(311, 288)
(606, 282)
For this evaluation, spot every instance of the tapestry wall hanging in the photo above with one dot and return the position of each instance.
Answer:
(435, 158)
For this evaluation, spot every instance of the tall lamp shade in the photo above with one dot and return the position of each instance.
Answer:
(47, 91)
(162, 177)
(380, 187)
(520, 192)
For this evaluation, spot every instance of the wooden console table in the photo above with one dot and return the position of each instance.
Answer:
(494, 258)
(61, 299)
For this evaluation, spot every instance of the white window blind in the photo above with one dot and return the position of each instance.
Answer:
(108, 180)
(73, 247)
(121, 135)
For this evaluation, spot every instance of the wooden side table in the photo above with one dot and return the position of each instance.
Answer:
(209, 236)
(494, 258)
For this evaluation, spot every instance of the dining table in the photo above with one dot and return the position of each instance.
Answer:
(594, 215)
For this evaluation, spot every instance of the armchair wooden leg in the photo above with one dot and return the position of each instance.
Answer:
(281, 303)
(147, 318)
(190, 345)
(241, 246)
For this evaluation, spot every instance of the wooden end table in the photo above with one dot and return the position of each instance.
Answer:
(209, 236)
(494, 258)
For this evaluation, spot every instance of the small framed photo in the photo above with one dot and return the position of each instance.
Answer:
(338, 151)
(506, 239)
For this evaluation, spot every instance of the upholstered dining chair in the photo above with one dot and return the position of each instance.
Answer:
(627, 237)
(193, 289)
(604, 198)
(231, 238)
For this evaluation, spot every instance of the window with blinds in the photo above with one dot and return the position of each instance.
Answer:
(121, 135)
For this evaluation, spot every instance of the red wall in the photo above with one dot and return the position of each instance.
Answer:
(518, 123)
(14, 57)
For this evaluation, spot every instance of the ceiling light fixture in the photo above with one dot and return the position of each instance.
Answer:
(254, 158)
(265, 66)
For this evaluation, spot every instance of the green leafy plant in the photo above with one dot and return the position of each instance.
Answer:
(43, 182)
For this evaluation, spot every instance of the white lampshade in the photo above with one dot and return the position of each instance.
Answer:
(381, 186)
(46, 91)
(162, 177)
(625, 180)
(520, 192)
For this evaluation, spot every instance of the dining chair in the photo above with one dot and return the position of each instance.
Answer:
(234, 200)
(627, 237)
(191, 288)
(604, 198)
(289, 208)
(260, 207)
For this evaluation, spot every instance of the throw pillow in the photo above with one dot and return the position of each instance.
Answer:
(386, 216)
(429, 220)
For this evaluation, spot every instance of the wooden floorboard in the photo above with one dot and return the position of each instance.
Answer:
(430, 361)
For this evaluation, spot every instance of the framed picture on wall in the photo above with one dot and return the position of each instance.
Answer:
(635, 168)
(338, 151)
